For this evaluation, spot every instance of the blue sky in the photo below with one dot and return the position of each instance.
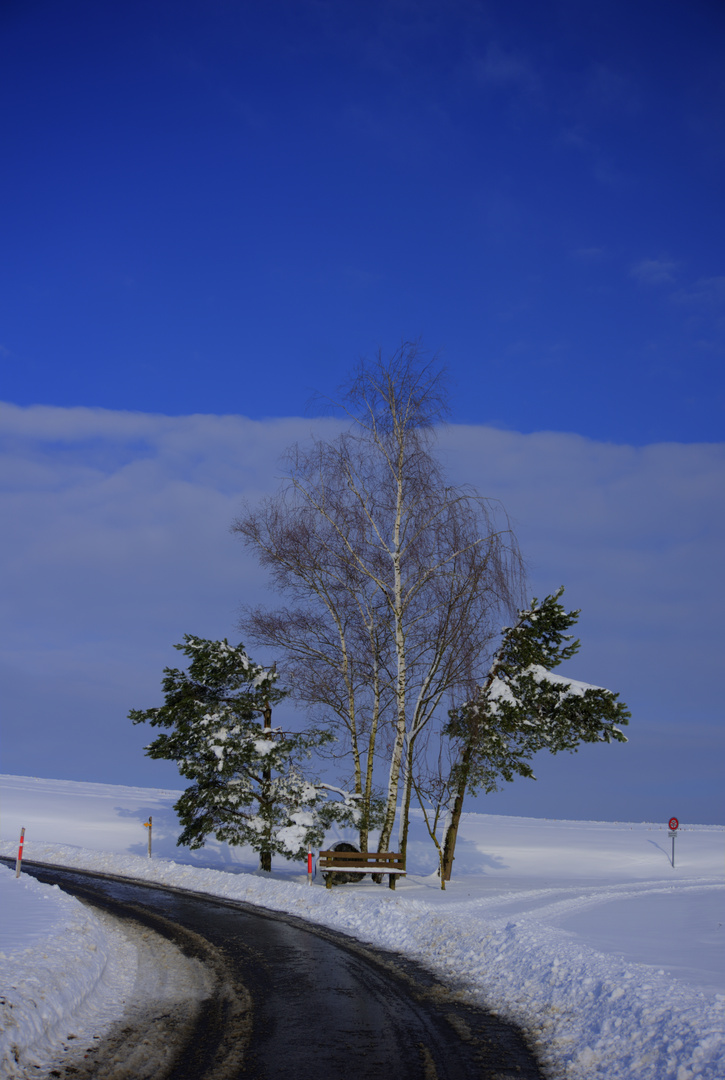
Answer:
(216, 208)
(197, 196)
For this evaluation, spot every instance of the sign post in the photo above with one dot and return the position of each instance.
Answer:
(20, 852)
(147, 825)
(674, 826)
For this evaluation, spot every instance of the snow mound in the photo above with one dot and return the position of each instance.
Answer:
(66, 973)
(588, 1015)
(608, 953)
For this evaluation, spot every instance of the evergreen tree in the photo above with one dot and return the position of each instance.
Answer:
(523, 707)
(249, 786)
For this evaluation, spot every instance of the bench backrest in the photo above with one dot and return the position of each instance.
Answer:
(362, 858)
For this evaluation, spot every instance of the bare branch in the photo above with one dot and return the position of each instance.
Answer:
(397, 579)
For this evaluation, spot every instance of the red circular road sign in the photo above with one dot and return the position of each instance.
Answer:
(674, 823)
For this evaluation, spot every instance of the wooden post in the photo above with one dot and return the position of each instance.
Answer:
(20, 852)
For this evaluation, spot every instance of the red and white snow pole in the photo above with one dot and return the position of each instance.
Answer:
(147, 825)
(309, 865)
(20, 853)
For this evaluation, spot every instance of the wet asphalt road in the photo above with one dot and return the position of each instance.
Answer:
(299, 1002)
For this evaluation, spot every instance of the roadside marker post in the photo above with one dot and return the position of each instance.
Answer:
(309, 865)
(20, 853)
(674, 826)
(147, 825)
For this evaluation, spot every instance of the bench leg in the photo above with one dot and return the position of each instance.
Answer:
(328, 881)
(391, 881)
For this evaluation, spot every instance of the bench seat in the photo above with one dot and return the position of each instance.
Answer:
(361, 862)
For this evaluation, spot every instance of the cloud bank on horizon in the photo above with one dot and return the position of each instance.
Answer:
(209, 209)
(117, 543)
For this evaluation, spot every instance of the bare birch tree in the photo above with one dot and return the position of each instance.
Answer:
(400, 578)
(334, 635)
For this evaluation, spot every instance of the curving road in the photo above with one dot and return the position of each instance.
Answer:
(289, 1000)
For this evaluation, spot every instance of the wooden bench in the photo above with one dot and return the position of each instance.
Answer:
(391, 863)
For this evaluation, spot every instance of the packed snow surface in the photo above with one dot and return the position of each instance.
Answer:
(610, 959)
(66, 973)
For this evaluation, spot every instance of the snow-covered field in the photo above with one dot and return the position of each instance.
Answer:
(610, 959)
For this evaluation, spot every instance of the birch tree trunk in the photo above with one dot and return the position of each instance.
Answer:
(367, 532)
(265, 854)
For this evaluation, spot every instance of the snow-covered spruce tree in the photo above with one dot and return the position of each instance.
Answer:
(249, 787)
(522, 708)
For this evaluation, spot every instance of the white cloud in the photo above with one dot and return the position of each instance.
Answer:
(604, 169)
(116, 542)
(506, 68)
(707, 294)
(590, 254)
(654, 271)
(613, 90)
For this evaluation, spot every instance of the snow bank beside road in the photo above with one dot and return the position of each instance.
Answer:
(65, 973)
(610, 958)
(589, 1016)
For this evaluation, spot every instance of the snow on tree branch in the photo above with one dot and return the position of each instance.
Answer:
(249, 786)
